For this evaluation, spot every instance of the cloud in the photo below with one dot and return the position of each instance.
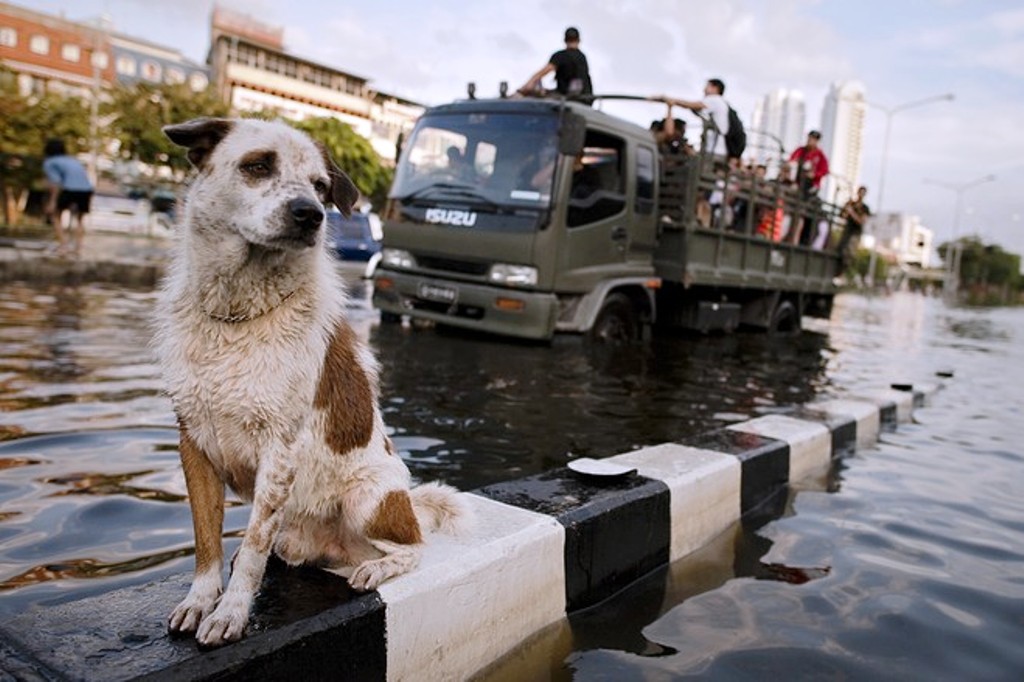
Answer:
(994, 41)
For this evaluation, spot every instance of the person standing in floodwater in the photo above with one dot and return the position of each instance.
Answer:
(69, 189)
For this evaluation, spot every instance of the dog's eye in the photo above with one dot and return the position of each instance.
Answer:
(258, 169)
(320, 186)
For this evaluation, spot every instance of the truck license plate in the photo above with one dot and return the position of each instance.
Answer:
(433, 292)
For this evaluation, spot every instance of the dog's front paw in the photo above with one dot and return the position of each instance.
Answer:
(225, 624)
(368, 575)
(187, 615)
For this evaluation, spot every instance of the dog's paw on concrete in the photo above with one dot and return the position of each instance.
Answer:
(226, 624)
(187, 615)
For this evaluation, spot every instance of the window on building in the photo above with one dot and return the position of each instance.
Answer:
(247, 55)
(198, 81)
(39, 44)
(70, 52)
(126, 65)
(100, 60)
(8, 37)
(175, 75)
(151, 71)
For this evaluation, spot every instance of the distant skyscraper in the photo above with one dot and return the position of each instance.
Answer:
(842, 139)
(779, 116)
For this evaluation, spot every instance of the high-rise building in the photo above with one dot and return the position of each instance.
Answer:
(842, 139)
(777, 127)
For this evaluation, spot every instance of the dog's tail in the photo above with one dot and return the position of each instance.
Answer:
(441, 507)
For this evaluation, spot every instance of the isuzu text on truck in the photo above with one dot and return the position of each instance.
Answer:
(529, 217)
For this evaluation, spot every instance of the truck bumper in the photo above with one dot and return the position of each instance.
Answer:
(511, 312)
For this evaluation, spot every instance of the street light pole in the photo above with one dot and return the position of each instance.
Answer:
(954, 253)
(777, 140)
(889, 113)
(100, 61)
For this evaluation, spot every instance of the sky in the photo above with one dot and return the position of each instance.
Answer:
(901, 50)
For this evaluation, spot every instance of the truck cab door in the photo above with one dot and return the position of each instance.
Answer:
(597, 210)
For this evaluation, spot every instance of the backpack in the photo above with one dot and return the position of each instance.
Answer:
(736, 138)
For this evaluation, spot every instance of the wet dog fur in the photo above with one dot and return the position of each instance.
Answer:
(275, 396)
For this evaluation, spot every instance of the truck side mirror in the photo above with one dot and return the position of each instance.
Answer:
(571, 134)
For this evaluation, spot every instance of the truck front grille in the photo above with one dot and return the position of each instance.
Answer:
(451, 265)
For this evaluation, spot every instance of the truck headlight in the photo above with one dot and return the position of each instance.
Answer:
(513, 275)
(397, 258)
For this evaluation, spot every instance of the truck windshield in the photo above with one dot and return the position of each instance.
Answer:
(488, 160)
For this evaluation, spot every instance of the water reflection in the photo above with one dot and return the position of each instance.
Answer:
(908, 570)
(495, 410)
(93, 496)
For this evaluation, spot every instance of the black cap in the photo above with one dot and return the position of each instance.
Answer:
(572, 34)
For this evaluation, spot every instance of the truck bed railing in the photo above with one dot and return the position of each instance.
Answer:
(701, 192)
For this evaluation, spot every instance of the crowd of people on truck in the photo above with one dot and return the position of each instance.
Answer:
(725, 205)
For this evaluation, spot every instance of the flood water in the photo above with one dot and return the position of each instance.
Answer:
(907, 563)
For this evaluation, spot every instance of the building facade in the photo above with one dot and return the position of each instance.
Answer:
(902, 238)
(52, 54)
(138, 61)
(247, 65)
(842, 139)
(252, 71)
(55, 54)
(777, 126)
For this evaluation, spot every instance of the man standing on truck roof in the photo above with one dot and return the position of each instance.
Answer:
(715, 106)
(572, 74)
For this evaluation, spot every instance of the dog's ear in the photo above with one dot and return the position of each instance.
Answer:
(199, 136)
(344, 192)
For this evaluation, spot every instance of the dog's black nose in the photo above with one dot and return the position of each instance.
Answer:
(306, 213)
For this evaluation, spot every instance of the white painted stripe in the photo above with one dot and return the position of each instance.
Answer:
(810, 443)
(928, 390)
(704, 488)
(904, 402)
(474, 598)
(864, 413)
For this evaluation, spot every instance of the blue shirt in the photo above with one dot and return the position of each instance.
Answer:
(67, 172)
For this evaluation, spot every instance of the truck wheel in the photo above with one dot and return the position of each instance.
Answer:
(617, 322)
(785, 319)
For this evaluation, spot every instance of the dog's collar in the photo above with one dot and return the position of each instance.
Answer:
(247, 317)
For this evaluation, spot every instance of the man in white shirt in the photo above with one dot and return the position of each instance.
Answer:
(714, 106)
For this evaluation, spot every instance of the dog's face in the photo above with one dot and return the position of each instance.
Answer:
(260, 181)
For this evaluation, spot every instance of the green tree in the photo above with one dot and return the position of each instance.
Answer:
(353, 153)
(987, 273)
(137, 113)
(861, 262)
(27, 123)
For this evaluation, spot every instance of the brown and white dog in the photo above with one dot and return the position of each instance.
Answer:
(275, 396)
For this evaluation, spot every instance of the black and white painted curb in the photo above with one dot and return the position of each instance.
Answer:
(542, 547)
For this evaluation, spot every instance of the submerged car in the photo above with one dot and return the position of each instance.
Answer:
(356, 238)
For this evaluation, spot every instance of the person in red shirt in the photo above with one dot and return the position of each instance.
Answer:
(811, 166)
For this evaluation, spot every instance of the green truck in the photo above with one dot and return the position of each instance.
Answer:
(530, 217)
